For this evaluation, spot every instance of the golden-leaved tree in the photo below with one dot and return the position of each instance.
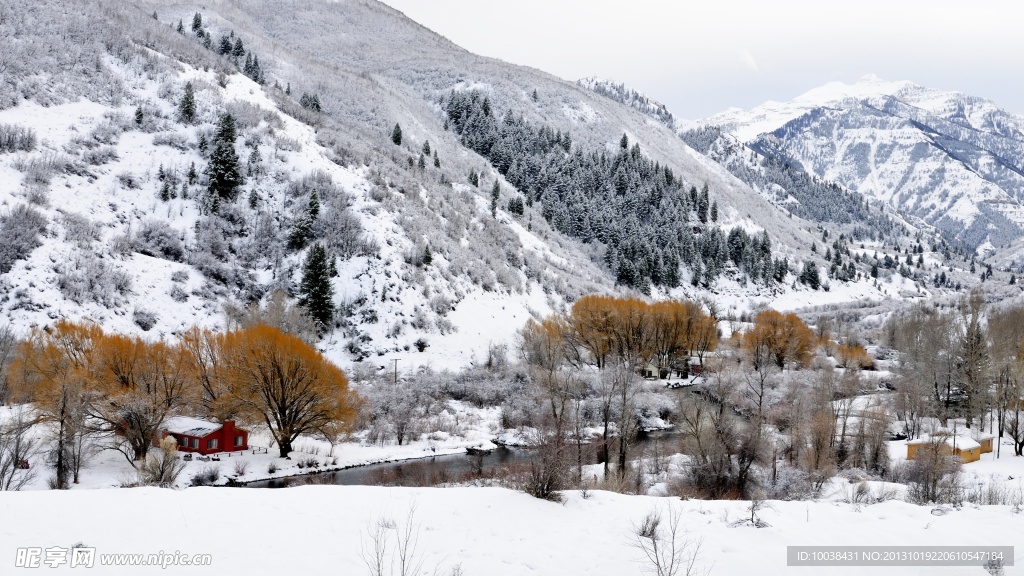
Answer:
(780, 339)
(140, 384)
(53, 369)
(284, 382)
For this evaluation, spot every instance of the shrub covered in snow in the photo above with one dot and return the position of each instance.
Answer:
(87, 278)
(156, 238)
(144, 319)
(15, 138)
(19, 234)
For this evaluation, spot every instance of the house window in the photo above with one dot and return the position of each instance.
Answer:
(238, 440)
(211, 444)
(182, 441)
(195, 443)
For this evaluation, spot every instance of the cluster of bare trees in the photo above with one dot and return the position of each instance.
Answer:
(95, 389)
(965, 362)
(596, 351)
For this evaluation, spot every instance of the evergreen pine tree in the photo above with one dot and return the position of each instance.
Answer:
(207, 40)
(181, 27)
(257, 72)
(495, 194)
(226, 130)
(428, 258)
(437, 161)
(624, 142)
(191, 175)
(224, 48)
(396, 135)
(313, 208)
(1013, 279)
(288, 89)
(421, 163)
(809, 276)
(187, 105)
(316, 294)
(165, 191)
(714, 211)
(426, 148)
(138, 115)
(238, 50)
(254, 199)
(222, 171)
(474, 179)
(332, 270)
(197, 22)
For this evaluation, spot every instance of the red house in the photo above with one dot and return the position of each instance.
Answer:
(204, 436)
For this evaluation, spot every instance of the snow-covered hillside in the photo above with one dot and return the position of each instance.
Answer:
(951, 160)
(106, 214)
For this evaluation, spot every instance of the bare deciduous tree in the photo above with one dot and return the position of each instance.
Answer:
(16, 451)
(666, 549)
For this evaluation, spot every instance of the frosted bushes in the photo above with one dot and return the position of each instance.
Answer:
(342, 235)
(79, 230)
(171, 139)
(40, 168)
(144, 319)
(157, 239)
(15, 138)
(87, 278)
(19, 234)
(100, 155)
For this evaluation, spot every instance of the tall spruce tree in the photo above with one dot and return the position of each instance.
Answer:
(495, 194)
(302, 230)
(396, 135)
(187, 105)
(197, 22)
(223, 170)
(316, 294)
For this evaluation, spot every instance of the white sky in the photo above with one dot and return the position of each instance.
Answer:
(703, 57)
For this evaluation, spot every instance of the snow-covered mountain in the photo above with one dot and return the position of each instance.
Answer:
(106, 213)
(952, 160)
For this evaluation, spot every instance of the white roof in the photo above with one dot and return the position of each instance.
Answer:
(958, 442)
(191, 426)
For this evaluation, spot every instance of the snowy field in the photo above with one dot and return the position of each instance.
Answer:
(492, 531)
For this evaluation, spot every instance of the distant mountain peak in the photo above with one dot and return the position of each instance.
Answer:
(949, 159)
(867, 87)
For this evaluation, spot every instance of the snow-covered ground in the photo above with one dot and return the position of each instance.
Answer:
(324, 529)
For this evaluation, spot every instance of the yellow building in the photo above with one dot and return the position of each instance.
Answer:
(967, 449)
(986, 442)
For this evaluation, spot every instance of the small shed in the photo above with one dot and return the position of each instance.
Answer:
(967, 449)
(985, 440)
(204, 436)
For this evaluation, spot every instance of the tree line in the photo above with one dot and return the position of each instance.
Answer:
(93, 387)
(652, 225)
